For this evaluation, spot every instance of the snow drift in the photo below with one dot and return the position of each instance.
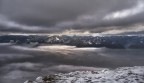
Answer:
(119, 75)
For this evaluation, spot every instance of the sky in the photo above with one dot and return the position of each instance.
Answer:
(53, 16)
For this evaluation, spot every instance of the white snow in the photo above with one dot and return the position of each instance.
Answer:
(39, 79)
(119, 75)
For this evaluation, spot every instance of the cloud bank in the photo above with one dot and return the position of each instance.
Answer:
(52, 16)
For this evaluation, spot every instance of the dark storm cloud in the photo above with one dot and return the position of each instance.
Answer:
(59, 15)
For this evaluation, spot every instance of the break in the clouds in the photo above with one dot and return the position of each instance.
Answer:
(136, 9)
(60, 15)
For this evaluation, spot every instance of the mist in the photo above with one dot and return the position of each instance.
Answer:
(59, 15)
(78, 21)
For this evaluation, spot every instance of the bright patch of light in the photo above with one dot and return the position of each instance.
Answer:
(75, 32)
(52, 47)
(127, 12)
(62, 49)
(133, 28)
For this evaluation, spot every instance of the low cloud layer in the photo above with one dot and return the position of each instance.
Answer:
(52, 16)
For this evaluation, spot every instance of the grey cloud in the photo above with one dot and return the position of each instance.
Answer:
(58, 10)
(60, 15)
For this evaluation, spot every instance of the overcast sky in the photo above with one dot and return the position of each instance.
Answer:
(58, 15)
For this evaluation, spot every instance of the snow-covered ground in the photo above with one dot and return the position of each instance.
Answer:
(119, 75)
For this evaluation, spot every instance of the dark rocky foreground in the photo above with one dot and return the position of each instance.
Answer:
(118, 42)
(119, 75)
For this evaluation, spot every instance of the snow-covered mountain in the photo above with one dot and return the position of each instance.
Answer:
(115, 41)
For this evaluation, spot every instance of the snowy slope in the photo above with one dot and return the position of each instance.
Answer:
(119, 75)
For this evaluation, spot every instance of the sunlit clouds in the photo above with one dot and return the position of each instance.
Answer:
(138, 8)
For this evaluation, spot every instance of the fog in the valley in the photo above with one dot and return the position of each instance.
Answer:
(19, 62)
